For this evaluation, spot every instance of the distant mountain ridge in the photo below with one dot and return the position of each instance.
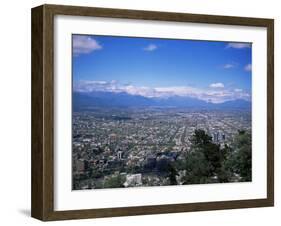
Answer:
(110, 99)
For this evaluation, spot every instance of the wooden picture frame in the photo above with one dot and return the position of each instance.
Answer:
(42, 203)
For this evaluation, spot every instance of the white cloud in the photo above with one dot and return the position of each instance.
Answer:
(150, 47)
(208, 94)
(238, 45)
(248, 67)
(178, 90)
(90, 86)
(228, 66)
(83, 44)
(216, 85)
(142, 91)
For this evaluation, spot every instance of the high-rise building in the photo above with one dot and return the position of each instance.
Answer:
(216, 136)
(119, 155)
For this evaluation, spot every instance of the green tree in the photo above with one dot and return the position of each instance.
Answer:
(202, 142)
(224, 175)
(172, 173)
(115, 181)
(205, 160)
(240, 159)
(198, 169)
(208, 162)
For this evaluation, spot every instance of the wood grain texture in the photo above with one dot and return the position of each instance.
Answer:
(270, 111)
(37, 158)
(43, 107)
(42, 113)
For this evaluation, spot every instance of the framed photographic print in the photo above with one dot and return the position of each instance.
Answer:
(141, 112)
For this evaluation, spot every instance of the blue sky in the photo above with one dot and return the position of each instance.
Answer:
(208, 70)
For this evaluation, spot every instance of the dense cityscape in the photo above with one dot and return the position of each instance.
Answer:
(137, 147)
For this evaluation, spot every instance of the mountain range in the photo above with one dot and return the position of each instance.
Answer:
(82, 101)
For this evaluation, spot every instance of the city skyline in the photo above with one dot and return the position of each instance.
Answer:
(212, 71)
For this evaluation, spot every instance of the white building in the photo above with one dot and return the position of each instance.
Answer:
(133, 180)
